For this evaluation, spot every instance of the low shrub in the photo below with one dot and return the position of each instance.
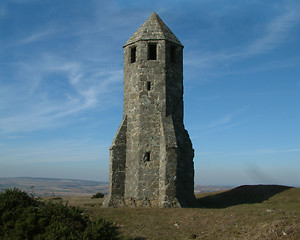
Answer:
(98, 195)
(23, 217)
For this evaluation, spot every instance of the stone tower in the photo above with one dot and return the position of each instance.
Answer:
(151, 157)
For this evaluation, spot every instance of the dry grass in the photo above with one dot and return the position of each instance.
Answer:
(271, 214)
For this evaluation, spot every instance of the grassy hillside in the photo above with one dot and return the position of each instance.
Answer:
(246, 212)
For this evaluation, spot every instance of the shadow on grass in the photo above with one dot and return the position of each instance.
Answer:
(241, 195)
(119, 235)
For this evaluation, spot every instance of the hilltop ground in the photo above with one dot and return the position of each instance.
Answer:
(246, 212)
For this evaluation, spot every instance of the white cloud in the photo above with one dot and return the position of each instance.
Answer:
(23, 1)
(32, 103)
(47, 88)
(272, 151)
(38, 36)
(275, 32)
(35, 37)
(267, 65)
(59, 150)
(2, 12)
(227, 120)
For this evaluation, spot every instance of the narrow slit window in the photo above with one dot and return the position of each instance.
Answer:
(173, 54)
(148, 86)
(147, 157)
(152, 51)
(133, 55)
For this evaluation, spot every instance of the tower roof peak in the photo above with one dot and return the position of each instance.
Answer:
(153, 29)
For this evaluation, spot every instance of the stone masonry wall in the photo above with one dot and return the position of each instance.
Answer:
(151, 158)
(143, 108)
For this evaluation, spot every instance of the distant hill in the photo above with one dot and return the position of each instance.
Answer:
(245, 194)
(72, 187)
(209, 188)
(54, 186)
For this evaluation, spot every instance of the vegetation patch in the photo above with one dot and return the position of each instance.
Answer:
(24, 217)
(98, 195)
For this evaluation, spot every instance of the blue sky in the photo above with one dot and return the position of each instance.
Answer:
(61, 86)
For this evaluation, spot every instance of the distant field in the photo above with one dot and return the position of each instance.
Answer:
(55, 187)
(71, 187)
(244, 213)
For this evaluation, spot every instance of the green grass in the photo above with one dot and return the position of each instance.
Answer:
(247, 212)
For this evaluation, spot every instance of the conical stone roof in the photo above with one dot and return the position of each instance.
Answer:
(153, 29)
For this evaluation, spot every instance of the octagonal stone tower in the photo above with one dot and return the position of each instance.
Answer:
(151, 157)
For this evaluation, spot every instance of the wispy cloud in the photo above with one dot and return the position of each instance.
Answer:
(260, 151)
(23, 1)
(53, 84)
(272, 151)
(227, 120)
(51, 89)
(35, 37)
(60, 150)
(275, 32)
(268, 65)
(260, 175)
(2, 12)
(32, 38)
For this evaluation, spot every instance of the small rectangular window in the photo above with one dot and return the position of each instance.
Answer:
(133, 55)
(148, 86)
(173, 54)
(152, 51)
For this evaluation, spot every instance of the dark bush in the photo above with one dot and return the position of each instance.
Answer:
(98, 195)
(25, 218)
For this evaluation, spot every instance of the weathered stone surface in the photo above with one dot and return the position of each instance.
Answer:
(153, 29)
(151, 157)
